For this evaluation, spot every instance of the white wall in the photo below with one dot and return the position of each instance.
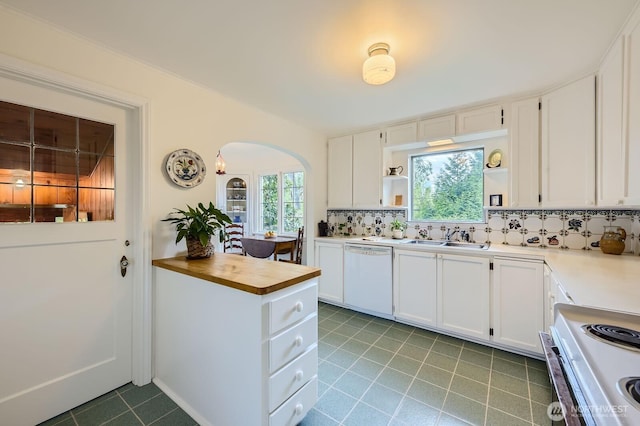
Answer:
(181, 115)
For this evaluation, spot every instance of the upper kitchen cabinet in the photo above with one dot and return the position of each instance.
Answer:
(568, 145)
(479, 120)
(631, 112)
(401, 134)
(340, 168)
(524, 141)
(367, 169)
(610, 142)
(437, 128)
(355, 171)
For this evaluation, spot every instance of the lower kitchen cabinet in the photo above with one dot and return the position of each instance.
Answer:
(518, 303)
(415, 287)
(329, 257)
(232, 357)
(464, 295)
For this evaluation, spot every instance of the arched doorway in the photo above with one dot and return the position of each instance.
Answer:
(249, 165)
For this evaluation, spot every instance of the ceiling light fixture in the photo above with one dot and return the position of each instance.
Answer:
(379, 68)
(220, 164)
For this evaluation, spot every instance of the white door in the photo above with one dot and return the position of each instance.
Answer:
(65, 309)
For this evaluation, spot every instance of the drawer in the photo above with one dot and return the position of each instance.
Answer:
(292, 308)
(295, 408)
(288, 380)
(292, 342)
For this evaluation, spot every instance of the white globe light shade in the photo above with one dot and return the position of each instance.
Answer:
(379, 68)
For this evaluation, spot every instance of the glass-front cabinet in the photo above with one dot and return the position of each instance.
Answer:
(236, 200)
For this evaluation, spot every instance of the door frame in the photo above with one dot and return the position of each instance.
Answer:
(138, 154)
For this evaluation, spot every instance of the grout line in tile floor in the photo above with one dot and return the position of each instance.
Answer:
(404, 360)
(328, 314)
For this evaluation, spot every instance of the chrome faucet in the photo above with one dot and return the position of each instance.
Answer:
(449, 234)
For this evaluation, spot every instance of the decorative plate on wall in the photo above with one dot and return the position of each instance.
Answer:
(185, 168)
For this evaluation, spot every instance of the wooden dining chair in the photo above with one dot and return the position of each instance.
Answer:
(232, 243)
(297, 255)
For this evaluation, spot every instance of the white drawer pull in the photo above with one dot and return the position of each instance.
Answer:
(299, 341)
(299, 306)
(299, 375)
(299, 408)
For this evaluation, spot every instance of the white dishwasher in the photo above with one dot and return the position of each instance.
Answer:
(368, 279)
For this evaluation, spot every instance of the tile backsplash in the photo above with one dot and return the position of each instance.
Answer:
(576, 229)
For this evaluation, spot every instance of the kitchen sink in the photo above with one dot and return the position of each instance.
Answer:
(480, 246)
(427, 242)
(462, 244)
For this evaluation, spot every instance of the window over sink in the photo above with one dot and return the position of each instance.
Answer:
(447, 186)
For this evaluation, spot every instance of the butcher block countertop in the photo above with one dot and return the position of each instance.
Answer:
(257, 276)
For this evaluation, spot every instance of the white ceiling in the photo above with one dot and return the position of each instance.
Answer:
(302, 59)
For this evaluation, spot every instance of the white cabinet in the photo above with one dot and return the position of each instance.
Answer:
(517, 310)
(555, 293)
(340, 180)
(437, 128)
(610, 147)
(414, 287)
(367, 169)
(631, 111)
(329, 258)
(478, 120)
(401, 134)
(524, 140)
(355, 171)
(568, 145)
(255, 355)
(464, 295)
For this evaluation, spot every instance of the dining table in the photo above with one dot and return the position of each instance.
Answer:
(263, 247)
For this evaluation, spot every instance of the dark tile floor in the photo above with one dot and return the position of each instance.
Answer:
(126, 406)
(375, 372)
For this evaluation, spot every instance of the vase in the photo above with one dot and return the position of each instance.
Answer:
(612, 241)
(397, 234)
(195, 249)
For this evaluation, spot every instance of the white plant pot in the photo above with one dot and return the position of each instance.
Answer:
(397, 234)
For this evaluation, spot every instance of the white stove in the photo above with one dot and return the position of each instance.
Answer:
(599, 354)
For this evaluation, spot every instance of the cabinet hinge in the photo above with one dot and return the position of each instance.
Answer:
(502, 116)
(539, 105)
(491, 266)
(491, 332)
(539, 198)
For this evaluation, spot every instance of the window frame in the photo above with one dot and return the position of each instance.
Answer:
(280, 209)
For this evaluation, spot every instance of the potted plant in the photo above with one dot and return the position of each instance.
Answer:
(198, 226)
(397, 228)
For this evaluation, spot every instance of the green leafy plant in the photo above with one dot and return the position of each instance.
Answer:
(396, 225)
(200, 223)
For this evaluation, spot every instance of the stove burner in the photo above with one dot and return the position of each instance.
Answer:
(620, 336)
(630, 387)
(634, 389)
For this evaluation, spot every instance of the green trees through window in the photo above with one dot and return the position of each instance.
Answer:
(282, 209)
(447, 186)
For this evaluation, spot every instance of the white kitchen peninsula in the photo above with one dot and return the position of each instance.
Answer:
(236, 338)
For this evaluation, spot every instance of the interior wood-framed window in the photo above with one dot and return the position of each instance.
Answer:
(54, 167)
